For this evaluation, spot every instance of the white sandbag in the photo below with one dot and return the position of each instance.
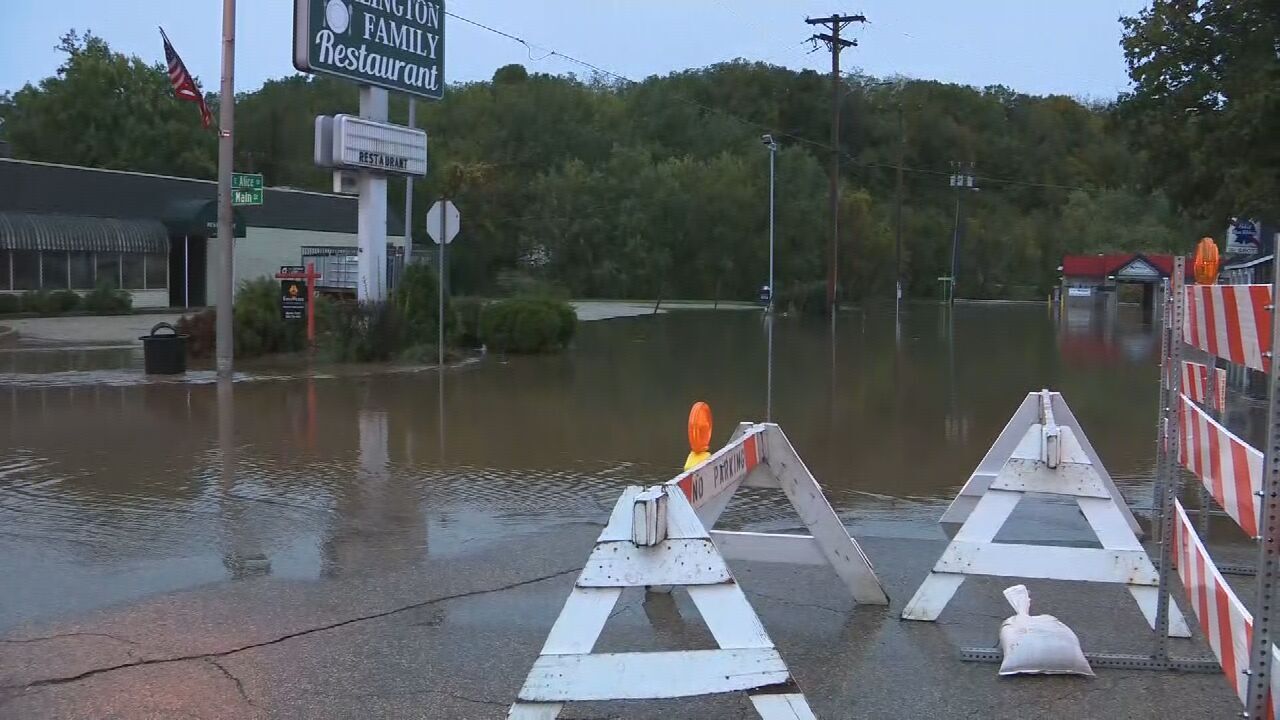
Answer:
(1038, 644)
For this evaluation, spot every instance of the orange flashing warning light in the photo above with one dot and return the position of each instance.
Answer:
(1206, 264)
(699, 434)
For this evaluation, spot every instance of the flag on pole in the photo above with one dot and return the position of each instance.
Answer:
(184, 86)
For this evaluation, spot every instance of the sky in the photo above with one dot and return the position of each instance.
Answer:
(1066, 47)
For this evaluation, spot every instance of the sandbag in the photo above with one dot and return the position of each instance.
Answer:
(1038, 644)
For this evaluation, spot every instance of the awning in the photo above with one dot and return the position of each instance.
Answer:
(199, 218)
(30, 231)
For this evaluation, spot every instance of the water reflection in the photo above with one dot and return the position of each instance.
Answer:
(109, 493)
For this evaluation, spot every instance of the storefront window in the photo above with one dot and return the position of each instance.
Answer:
(134, 278)
(108, 269)
(157, 271)
(82, 271)
(55, 269)
(26, 269)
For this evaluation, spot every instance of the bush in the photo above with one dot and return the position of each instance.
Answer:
(10, 304)
(65, 300)
(466, 312)
(417, 298)
(526, 325)
(259, 328)
(106, 300)
(362, 332)
(517, 283)
(806, 298)
(38, 301)
(201, 330)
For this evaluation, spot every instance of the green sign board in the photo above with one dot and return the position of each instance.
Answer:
(246, 197)
(394, 44)
(246, 181)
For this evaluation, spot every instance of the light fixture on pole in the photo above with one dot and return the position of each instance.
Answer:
(772, 144)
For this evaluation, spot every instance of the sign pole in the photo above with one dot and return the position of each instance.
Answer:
(408, 195)
(311, 304)
(226, 232)
(444, 227)
(372, 221)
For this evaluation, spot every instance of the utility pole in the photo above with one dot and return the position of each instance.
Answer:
(408, 196)
(897, 246)
(961, 180)
(835, 23)
(226, 156)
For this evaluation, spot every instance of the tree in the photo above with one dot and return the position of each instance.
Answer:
(1205, 105)
(103, 109)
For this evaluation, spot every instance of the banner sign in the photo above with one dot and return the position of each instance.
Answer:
(393, 44)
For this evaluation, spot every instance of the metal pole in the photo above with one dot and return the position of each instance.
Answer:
(773, 151)
(834, 252)
(226, 154)
(1269, 551)
(768, 394)
(186, 271)
(408, 194)
(444, 226)
(1170, 482)
(955, 245)
(1211, 401)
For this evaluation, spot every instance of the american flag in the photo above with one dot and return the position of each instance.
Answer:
(184, 87)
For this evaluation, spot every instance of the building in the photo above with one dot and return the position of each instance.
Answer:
(1100, 278)
(64, 226)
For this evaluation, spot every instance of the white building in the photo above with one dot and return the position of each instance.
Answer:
(63, 226)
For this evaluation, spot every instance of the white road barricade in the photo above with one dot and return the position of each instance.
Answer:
(1049, 458)
(761, 456)
(654, 538)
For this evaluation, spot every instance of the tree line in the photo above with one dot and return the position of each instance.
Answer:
(659, 188)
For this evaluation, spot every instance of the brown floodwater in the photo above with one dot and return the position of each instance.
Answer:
(113, 487)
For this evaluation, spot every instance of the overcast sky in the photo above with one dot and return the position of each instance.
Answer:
(1036, 46)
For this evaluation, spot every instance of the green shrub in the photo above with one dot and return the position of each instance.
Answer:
(107, 300)
(467, 311)
(517, 283)
(806, 298)
(362, 332)
(526, 325)
(259, 328)
(417, 299)
(10, 304)
(65, 300)
(39, 301)
(201, 330)
(568, 321)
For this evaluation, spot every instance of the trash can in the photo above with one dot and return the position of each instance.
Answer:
(164, 353)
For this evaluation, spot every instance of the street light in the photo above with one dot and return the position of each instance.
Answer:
(772, 144)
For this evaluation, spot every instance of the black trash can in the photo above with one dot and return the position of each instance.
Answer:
(164, 353)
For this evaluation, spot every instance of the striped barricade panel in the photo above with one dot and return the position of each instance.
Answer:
(1195, 384)
(723, 470)
(1226, 623)
(1229, 467)
(1230, 321)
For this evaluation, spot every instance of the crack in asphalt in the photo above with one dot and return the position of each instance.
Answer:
(59, 636)
(288, 636)
(464, 698)
(239, 685)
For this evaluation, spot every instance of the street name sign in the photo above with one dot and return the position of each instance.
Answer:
(246, 189)
(377, 146)
(393, 44)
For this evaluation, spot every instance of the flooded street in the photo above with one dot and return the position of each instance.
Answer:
(112, 488)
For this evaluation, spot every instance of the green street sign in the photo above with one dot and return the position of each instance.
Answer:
(252, 196)
(246, 181)
(394, 44)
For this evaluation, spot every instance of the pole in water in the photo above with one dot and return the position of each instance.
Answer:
(226, 156)
(444, 227)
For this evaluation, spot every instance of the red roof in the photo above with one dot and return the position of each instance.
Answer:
(1101, 266)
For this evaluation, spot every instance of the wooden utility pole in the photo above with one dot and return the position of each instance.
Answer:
(897, 225)
(835, 44)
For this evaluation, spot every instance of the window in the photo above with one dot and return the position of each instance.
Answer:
(133, 271)
(26, 269)
(54, 275)
(82, 270)
(4, 270)
(157, 271)
(108, 269)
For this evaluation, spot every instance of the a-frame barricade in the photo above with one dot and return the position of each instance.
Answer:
(1049, 459)
(654, 538)
(761, 456)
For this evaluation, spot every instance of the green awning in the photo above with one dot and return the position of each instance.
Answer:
(198, 218)
(31, 231)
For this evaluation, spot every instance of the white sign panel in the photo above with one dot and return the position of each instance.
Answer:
(1079, 292)
(443, 211)
(382, 147)
(1244, 237)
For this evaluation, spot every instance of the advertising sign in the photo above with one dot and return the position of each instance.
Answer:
(393, 44)
(1244, 237)
(293, 299)
(369, 145)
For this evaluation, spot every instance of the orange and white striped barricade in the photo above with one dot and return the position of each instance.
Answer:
(761, 456)
(1195, 385)
(1230, 321)
(1049, 459)
(1028, 414)
(1228, 467)
(654, 538)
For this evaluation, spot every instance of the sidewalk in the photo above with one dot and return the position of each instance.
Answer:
(104, 330)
